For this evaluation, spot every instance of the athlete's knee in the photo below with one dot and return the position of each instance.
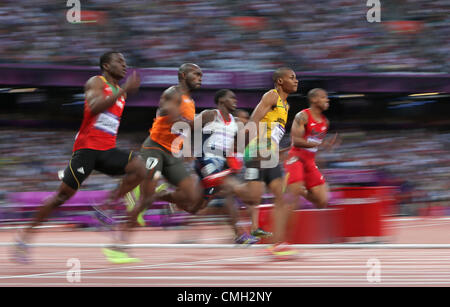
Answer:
(288, 198)
(194, 208)
(136, 169)
(322, 203)
(60, 198)
(253, 195)
(194, 197)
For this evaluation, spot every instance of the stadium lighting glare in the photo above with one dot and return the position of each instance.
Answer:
(22, 90)
(350, 96)
(423, 94)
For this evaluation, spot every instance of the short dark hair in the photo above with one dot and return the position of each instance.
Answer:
(185, 68)
(219, 94)
(279, 73)
(313, 93)
(106, 58)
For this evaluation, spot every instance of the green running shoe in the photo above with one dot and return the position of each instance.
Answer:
(261, 233)
(118, 257)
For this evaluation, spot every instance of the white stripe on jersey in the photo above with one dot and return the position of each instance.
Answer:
(221, 137)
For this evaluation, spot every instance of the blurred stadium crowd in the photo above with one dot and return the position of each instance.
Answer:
(418, 162)
(311, 35)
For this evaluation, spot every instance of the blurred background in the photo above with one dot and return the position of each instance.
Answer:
(388, 82)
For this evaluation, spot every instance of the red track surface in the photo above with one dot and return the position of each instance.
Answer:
(232, 267)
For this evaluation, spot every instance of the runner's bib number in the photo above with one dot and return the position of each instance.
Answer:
(314, 140)
(108, 123)
(277, 133)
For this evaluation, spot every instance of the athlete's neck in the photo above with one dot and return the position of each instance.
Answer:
(315, 111)
(185, 90)
(283, 95)
(111, 79)
(225, 113)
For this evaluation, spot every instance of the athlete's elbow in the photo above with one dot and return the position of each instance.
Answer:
(94, 108)
(297, 143)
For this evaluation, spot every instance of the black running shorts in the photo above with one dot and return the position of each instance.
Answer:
(254, 172)
(110, 162)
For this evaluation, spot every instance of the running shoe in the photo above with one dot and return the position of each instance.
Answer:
(21, 252)
(118, 256)
(261, 233)
(245, 238)
(102, 217)
(282, 251)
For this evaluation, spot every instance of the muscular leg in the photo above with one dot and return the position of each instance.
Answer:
(284, 209)
(63, 194)
(187, 195)
(233, 215)
(134, 174)
(281, 209)
(250, 192)
(147, 188)
(318, 195)
(254, 217)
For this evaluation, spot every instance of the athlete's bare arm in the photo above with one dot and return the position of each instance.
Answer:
(204, 117)
(330, 143)
(298, 131)
(94, 93)
(207, 116)
(169, 104)
(268, 101)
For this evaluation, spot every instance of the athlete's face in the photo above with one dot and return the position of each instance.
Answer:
(117, 66)
(229, 101)
(194, 78)
(289, 82)
(322, 101)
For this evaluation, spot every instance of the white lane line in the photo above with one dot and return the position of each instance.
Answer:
(298, 270)
(278, 284)
(408, 219)
(416, 226)
(344, 246)
(235, 279)
(132, 267)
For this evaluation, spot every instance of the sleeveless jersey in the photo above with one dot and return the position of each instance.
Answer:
(276, 120)
(99, 132)
(315, 131)
(161, 130)
(218, 136)
(273, 131)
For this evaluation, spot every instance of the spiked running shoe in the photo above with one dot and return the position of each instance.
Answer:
(261, 233)
(282, 251)
(247, 239)
(21, 251)
(118, 256)
(103, 218)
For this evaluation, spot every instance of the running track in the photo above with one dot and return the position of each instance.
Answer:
(233, 267)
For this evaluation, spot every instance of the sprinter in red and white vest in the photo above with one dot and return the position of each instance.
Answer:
(308, 134)
(95, 143)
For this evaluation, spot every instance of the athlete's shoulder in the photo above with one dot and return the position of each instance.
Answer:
(171, 93)
(272, 94)
(302, 116)
(270, 97)
(94, 81)
(208, 115)
(172, 90)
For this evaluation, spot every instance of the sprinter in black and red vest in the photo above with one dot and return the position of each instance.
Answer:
(95, 143)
